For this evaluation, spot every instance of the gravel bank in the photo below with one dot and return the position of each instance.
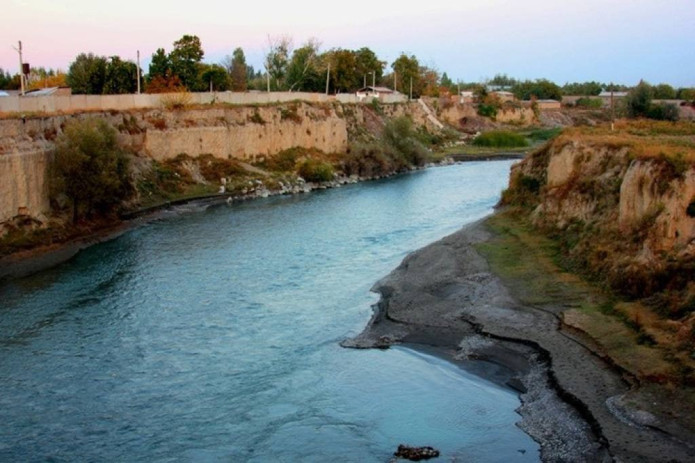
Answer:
(444, 295)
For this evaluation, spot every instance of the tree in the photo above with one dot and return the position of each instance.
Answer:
(583, 88)
(90, 168)
(407, 68)
(160, 64)
(664, 92)
(9, 81)
(87, 74)
(277, 60)
(502, 81)
(120, 77)
(366, 63)
(639, 100)
(43, 78)
(686, 94)
(185, 59)
(215, 76)
(238, 71)
(344, 77)
(302, 70)
(541, 89)
(446, 82)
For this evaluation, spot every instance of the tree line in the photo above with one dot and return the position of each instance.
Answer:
(286, 68)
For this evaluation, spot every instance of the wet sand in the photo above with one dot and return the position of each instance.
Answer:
(575, 402)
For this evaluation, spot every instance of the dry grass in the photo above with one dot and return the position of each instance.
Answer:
(649, 346)
(645, 139)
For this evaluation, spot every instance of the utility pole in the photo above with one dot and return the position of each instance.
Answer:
(21, 66)
(411, 89)
(138, 72)
(328, 77)
(612, 109)
(395, 88)
(373, 79)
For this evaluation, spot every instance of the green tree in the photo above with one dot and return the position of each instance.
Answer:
(406, 68)
(583, 88)
(215, 76)
(185, 59)
(87, 74)
(238, 71)
(502, 81)
(344, 77)
(90, 168)
(160, 64)
(639, 100)
(6, 81)
(687, 94)
(277, 60)
(447, 83)
(120, 76)
(664, 92)
(366, 63)
(541, 89)
(302, 70)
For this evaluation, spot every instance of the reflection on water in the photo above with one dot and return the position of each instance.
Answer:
(213, 336)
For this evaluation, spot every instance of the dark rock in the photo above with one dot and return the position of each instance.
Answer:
(416, 453)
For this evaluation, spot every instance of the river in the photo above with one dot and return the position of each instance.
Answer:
(213, 335)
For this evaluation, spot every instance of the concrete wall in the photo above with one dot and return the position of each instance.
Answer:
(53, 104)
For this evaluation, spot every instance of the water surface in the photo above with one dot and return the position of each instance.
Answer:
(213, 336)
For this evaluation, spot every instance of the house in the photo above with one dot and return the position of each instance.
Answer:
(544, 105)
(50, 91)
(467, 96)
(374, 92)
(607, 96)
(504, 95)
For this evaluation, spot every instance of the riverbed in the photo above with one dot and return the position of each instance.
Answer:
(213, 334)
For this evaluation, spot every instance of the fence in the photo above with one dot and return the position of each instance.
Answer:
(54, 104)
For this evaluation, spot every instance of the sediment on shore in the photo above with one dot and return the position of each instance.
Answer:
(575, 402)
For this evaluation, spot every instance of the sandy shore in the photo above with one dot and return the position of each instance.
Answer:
(575, 403)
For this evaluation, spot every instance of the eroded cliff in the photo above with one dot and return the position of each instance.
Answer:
(246, 133)
(620, 205)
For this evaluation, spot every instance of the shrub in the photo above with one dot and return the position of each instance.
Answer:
(500, 139)
(585, 102)
(367, 160)
(313, 170)
(90, 168)
(399, 136)
(178, 100)
(663, 112)
(487, 110)
(544, 134)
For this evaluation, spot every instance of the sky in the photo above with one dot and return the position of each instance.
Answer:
(619, 41)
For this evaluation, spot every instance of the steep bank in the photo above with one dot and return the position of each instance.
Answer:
(620, 205)
(244, 133)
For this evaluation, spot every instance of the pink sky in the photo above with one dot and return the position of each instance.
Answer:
(621, 40)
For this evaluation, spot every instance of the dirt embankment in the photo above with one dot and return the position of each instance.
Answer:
(575, 402)
(584, 287)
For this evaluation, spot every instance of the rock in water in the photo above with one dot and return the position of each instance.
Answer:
(416, 453)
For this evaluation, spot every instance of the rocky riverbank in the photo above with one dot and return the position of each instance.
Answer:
(39, 258)
(575, 402)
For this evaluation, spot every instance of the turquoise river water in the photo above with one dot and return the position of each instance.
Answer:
(213, 335)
